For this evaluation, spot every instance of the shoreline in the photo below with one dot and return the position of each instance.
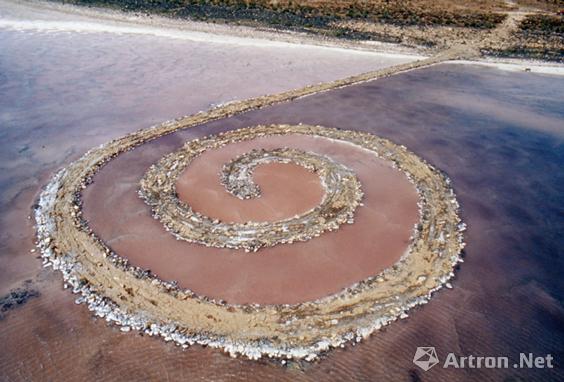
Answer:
(533, 32)
(111, 20)
(105, 20)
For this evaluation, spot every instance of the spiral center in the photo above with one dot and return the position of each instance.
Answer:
(342, 195)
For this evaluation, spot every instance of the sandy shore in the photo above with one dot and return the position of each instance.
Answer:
(37, 15)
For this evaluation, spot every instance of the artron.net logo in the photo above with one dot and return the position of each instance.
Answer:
(425, 357)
